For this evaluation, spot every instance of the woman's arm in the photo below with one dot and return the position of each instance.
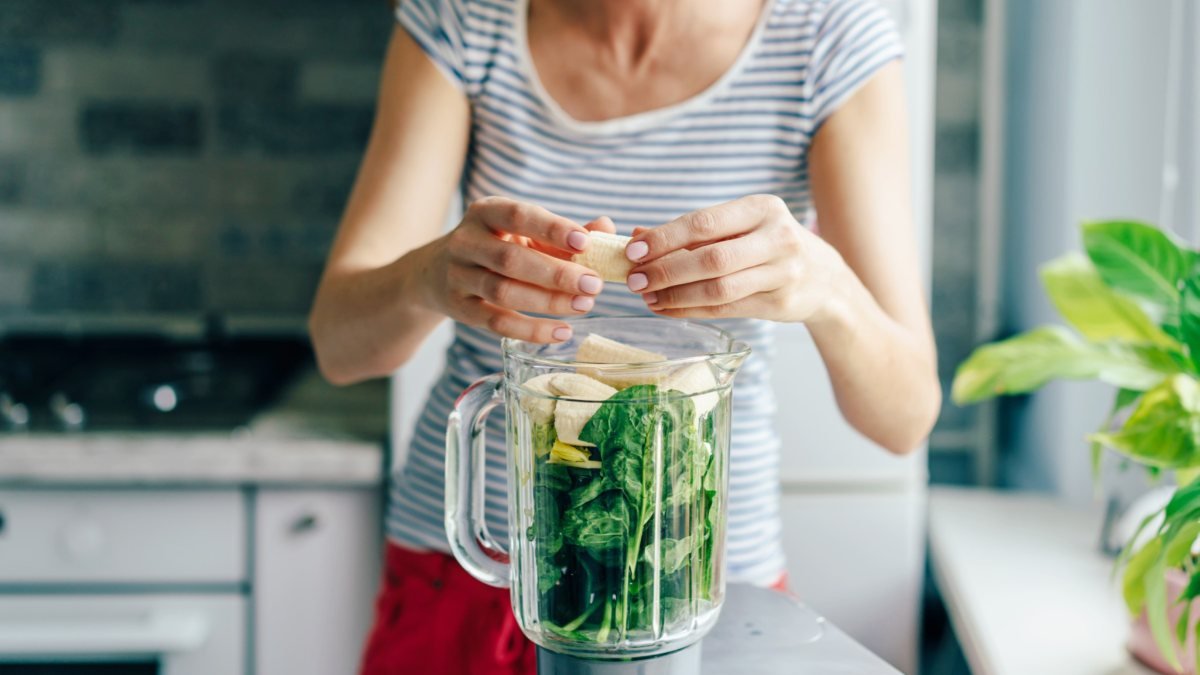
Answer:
(857, 287)
(876, 337)
(391, 278)
(365, 320)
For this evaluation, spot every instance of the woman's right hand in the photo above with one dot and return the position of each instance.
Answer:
(507, 257)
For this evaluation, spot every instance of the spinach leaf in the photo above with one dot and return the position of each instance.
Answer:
(675, 553)
(599, 525)
(589, 491)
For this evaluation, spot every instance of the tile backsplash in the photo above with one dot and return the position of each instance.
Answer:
(178, 157)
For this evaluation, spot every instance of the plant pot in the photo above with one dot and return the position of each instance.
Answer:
(1141, 643)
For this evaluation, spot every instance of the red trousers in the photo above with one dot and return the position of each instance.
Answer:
(433, 618)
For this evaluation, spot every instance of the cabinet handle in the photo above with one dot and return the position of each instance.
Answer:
(304, 523)
(3, 522)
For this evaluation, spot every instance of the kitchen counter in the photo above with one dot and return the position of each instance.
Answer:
(1026, 586)
(315, 435)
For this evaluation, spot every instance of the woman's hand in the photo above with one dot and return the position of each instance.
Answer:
(744, 258)
(508, 257)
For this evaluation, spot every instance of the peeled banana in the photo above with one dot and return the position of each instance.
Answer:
(561, 452)
(694, 379)
(605, 255)
(571, 416)
(599, 349)
(540, 408)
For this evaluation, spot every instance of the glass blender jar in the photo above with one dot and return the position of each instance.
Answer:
(618, 444)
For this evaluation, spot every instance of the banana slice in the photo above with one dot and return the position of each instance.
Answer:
(540, 409)
(599, 349)
(694, 379)
(561, 452)
(571, 416)
(605, 255)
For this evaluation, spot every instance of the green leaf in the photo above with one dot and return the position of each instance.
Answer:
(675, 552)
(1133, 588)
(1164, 429)
(1027, 361)
(600, 525)
(1180, 542)
(1155, 583)
(1138, 258)
(1123, 399)
(1094, 309)
(1189, 319)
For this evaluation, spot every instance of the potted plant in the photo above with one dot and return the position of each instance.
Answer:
(1134, 304)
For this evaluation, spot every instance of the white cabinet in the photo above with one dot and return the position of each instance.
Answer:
(316, 568)
(857, 557)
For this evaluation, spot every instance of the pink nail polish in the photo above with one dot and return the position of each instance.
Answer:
(637, 281)
(577, 240)
(637, 250)
(562, 333)
(582, 303)
(651, 298)
(590, 284)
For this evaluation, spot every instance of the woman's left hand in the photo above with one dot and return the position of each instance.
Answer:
(745, 258)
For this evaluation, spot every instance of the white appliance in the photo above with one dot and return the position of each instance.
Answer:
(101, 580)
(854, 516)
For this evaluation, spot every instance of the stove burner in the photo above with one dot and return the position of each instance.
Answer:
(137, 383)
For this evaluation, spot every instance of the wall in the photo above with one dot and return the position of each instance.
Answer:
(1086, 141)
(178, 157)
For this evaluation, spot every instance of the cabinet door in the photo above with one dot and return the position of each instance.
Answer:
(316, 571)
(857, 558)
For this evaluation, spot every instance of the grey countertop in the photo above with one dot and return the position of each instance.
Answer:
(316, 434)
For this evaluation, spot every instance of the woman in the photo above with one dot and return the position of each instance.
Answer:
(710, 129)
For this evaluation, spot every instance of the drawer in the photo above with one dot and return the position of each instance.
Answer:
(122, 536)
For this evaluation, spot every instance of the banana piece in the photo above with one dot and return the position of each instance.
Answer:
(561, 452)
(540, 409)
(571, 416)
(599, 349)
(605, 255)
(694, 379)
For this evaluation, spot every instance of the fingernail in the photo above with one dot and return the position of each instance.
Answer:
(637, 250)
(582, 303)
(637, 281)
(590, 284)
(577, 240)
(651, 298)
(562, 333)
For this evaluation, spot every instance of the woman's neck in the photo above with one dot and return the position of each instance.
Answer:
(630, 30)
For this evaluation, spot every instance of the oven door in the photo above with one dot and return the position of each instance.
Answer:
(129, 634)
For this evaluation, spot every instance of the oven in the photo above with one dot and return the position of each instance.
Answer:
(135, 582)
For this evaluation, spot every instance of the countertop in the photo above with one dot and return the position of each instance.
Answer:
(316, 434)
(1026, 586)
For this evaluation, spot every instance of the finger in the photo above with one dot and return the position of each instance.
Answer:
(505, 322)
(701, 227)
(602, 224)
(518, 262)
(754, 306)
(639, 230)
(522, 297)
(719, 291)
(529, 220)
(705, 262)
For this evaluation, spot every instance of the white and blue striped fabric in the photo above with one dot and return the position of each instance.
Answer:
(747, 133)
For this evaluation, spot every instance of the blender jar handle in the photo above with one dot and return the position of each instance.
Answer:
(466, 528)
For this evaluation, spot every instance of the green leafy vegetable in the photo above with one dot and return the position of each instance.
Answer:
(634, 550)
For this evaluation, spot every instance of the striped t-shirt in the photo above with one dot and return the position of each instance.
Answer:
(747, 133)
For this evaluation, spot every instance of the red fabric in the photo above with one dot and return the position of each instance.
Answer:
(431, 616)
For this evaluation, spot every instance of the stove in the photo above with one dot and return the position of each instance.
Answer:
(140, 383)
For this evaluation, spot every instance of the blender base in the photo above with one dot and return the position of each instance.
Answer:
(683, 662)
